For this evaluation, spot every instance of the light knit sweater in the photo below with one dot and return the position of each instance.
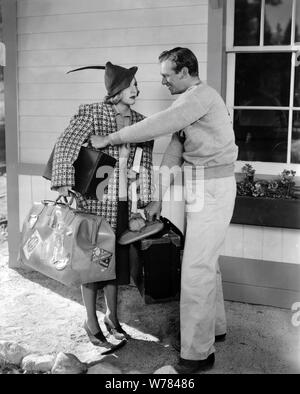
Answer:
(201, 114)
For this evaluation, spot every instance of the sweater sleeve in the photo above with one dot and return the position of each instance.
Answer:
(68, 146)
(186, 110)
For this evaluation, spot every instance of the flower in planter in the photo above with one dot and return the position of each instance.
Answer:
(284, 187)
(258, 190)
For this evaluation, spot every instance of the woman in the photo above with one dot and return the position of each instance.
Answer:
(103, 119)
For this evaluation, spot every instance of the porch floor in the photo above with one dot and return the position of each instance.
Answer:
(46, 317)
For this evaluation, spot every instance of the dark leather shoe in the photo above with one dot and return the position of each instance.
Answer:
(220, 338)
(96, 339)
(193, 366)
(116, 331)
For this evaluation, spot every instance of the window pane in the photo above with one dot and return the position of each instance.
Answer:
(297, 22)
(297, 87)
(295, 149)
(278, 20)
(261, 135)
(247, 22)
(262, 79)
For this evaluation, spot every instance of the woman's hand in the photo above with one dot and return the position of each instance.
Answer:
(63, 191)
(99, 141)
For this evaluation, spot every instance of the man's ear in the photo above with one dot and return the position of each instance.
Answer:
(184, 72)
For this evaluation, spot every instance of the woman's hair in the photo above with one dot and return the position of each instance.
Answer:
(114, 99)
(182, 57)
(117, 97)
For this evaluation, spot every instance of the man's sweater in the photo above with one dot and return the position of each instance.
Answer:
(201, 114)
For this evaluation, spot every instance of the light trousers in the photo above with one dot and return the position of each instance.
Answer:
(202, 314)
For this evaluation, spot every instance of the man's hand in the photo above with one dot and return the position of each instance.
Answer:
(63, 191)
(153, 210)
(99, 141)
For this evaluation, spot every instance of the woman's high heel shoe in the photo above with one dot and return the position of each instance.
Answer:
(100, 340)
(117, 331)
(96, 339)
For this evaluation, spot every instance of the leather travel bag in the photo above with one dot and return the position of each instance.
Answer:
(70, 246)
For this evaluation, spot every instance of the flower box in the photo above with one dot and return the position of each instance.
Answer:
(269, 212)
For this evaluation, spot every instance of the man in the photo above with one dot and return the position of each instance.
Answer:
(203, 139)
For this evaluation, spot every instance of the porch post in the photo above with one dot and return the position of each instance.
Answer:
(9, 13)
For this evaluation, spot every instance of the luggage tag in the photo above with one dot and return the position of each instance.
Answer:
(102, 257)
(31, 244)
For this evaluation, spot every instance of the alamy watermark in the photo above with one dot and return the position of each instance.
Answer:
(187, 181)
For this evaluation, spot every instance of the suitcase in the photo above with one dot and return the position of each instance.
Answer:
(160, 256)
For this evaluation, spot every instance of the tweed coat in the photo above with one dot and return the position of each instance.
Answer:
(99, 119)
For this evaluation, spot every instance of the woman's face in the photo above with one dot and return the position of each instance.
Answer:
(129, 94)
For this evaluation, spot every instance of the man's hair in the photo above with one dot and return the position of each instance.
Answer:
(182, 57)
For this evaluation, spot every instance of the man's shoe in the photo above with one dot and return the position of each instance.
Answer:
(220, 338)
(193, 366)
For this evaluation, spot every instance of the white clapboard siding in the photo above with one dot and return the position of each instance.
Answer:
(291, 246)
(168, 16)
(149, 90)
(33, 189)
(54, 7)
(25, 197)
(49, 75)
(127, 56)
(114, 38)
(272, 244)
(42, 125)
(263, 243)
(36, 155)
(67, 108)
(39, 140)
(234, 241)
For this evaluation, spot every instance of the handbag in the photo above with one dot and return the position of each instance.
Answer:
(68, 245)
(92, 167)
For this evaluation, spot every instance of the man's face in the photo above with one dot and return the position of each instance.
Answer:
(173, 81)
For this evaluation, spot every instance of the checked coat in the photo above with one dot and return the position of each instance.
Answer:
(99, 119)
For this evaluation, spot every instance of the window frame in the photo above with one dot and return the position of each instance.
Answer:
(270, 168)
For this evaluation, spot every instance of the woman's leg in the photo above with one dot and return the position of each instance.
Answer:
(111, 300)
(89, 297)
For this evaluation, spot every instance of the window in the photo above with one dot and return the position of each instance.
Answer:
(263, 85)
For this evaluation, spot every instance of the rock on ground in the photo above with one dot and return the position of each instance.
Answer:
(67, 363)
(12, 353)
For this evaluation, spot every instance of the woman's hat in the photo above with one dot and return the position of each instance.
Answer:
(116, 78)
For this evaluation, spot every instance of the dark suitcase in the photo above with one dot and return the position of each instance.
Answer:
(161, 261)
(86, 168)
